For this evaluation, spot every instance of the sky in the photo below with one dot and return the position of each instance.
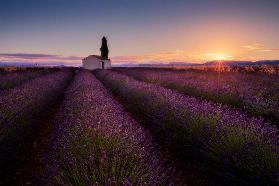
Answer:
(139, 31)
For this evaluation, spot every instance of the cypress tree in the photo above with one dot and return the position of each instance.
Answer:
(104, 48)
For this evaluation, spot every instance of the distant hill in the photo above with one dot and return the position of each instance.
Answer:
(230, 63)
(268, 62)
(240, 63)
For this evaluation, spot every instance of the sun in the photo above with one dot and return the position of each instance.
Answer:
(221, 57)
(218, 57)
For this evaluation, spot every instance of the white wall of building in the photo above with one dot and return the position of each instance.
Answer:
(92, 63)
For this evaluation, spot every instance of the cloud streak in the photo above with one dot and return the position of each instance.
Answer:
(38, 58)
(260, 48)
(158, 57)
(27, 55)
(255, 46)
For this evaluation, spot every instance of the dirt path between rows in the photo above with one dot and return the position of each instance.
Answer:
(32, 167)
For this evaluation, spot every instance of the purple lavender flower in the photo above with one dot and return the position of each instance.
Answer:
(95, 142)
(257, 94)
(13, 79)
(21, 110)
(232, 142)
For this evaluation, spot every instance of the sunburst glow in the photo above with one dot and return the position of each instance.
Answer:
(220, 57)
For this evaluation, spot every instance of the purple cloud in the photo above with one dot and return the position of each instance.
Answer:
(29, 56)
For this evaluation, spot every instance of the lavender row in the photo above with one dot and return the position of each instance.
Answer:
(13, 79)
(96, 142)
(239, 148)
(257, 94)
(22, 111)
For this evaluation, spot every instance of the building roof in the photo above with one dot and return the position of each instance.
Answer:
(98, 57)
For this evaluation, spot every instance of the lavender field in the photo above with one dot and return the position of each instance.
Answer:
(138, 126)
